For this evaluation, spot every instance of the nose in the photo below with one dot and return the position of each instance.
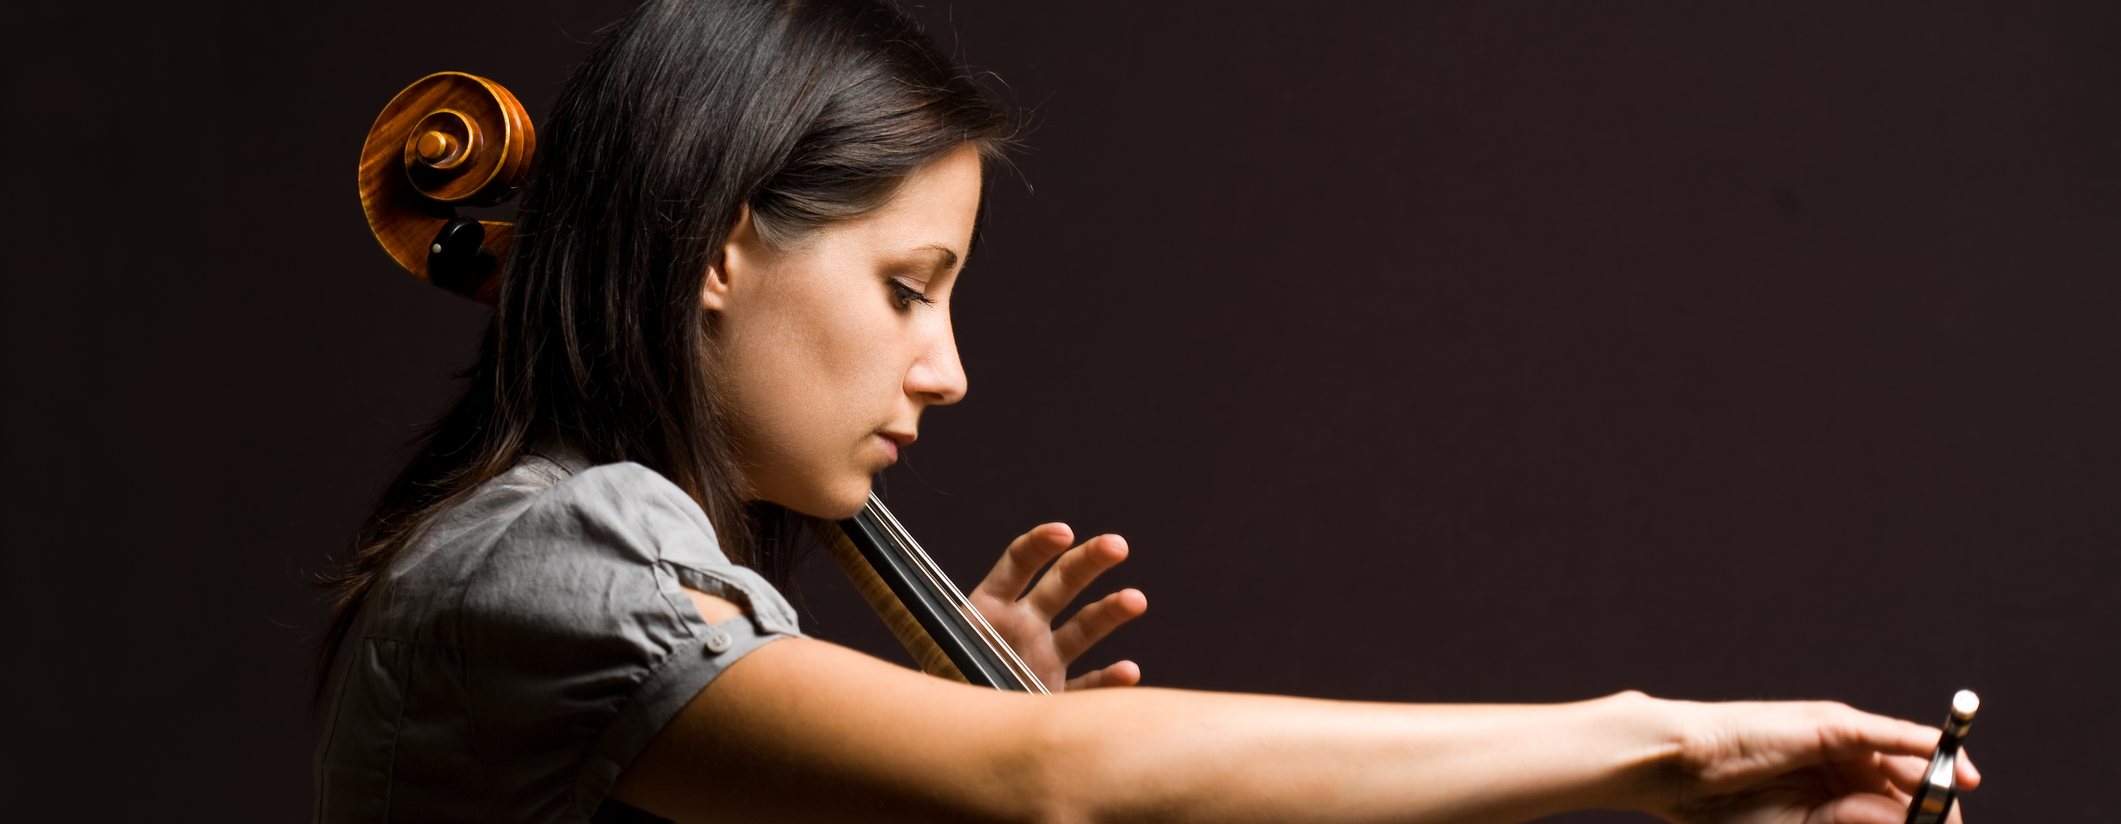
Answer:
(937, 377)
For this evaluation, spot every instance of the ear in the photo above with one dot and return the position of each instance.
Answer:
(738, 261)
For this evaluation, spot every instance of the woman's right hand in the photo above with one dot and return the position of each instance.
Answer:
(1796, 763)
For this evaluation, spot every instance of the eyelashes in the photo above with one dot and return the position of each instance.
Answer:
(906, 296)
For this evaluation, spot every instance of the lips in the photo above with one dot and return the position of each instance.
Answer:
(894, 442)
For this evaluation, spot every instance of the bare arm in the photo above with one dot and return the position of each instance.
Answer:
(804, 730)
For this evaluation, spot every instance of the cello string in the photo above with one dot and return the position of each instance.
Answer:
(937, 582)
(941, 581)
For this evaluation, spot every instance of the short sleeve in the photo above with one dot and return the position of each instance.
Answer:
(579, 641)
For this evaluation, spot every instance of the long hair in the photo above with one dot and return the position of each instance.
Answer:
(806, 111)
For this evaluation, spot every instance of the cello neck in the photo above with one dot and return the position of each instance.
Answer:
(949, 627)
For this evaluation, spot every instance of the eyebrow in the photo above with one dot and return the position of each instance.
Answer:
(948, 259)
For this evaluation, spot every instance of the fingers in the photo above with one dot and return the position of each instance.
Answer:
(1871, 764)
(1092, 623)
(1901, 744)
(1849, 732)
(1904, 771)
(1024, 558)
(1122, 674)
(1903, 751)
(1907, 772)
(1863, 808)
(1074, 571)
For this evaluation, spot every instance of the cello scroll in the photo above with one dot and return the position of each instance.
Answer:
(450, 139)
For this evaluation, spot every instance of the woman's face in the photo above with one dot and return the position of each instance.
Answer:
(829, 352)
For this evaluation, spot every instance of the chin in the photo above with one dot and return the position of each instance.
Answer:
(841, 513)
(835, 504)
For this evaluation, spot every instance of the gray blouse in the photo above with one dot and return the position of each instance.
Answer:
(525, 649)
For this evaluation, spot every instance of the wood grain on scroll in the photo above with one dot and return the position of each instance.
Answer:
(450, 139)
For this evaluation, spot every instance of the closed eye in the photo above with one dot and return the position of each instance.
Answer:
(907, 295)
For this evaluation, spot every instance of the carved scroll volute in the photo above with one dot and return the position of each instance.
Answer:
(450, 139)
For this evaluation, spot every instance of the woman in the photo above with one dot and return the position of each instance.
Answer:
(727, 308)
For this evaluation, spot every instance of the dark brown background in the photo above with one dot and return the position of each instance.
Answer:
(1425, 351)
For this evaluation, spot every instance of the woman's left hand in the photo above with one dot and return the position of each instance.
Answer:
(1027, 622)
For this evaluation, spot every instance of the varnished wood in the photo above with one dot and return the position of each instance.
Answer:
(438, 149)
(906, 628)
(450, 139)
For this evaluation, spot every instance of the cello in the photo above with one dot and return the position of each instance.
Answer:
(453, 140)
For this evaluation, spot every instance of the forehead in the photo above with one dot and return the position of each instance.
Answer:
(930, 215)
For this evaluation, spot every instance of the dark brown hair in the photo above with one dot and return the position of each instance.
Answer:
(806, 111)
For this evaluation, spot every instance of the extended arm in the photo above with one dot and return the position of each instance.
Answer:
(804, 730)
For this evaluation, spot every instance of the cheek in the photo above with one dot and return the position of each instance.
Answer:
(855, 381)
(812, 379)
